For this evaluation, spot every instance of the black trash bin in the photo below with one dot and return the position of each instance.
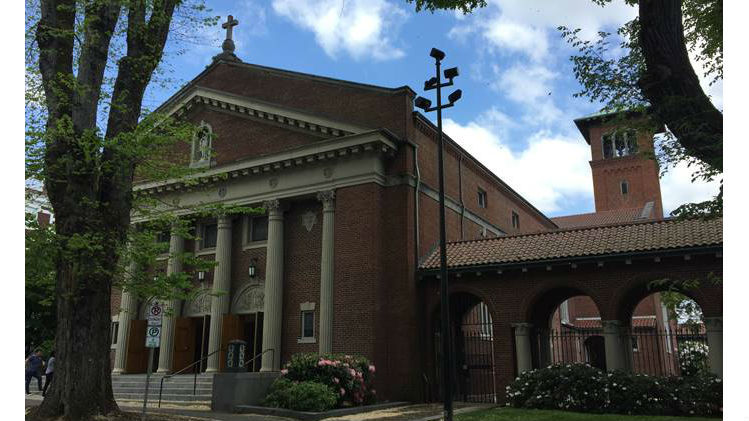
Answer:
(235, 355)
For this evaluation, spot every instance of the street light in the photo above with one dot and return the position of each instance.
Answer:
(426, 105)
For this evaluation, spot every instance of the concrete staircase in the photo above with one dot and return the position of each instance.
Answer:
(177, 389)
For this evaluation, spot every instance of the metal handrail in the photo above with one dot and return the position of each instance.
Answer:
(195, 378)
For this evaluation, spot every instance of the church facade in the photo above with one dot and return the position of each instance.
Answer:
(342, 259)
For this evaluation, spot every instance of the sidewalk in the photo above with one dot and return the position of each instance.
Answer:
(417, 412)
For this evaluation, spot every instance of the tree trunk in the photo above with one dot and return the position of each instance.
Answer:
(90, 186)
(671, 86)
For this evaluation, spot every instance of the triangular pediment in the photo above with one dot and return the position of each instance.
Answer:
(260, 110)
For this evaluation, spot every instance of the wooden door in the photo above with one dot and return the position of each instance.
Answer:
(137, 353)
(184, 343)
(231, 328)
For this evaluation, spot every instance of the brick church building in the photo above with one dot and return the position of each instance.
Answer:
(344, 258)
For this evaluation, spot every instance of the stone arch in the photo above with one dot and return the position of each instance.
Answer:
(472, 334)
(540, 304)
(199, 305)
(250, 298)
(631, 293)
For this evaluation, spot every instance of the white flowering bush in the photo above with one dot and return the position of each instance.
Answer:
(693, 359)
(580, 387)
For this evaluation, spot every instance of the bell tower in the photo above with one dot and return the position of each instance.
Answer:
(625, 173)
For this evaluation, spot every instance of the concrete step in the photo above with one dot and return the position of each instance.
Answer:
(164, 397)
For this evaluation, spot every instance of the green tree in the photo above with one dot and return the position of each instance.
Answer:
(40, 285)
(88, 66)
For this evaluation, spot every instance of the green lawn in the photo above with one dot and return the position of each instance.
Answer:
(513, 414)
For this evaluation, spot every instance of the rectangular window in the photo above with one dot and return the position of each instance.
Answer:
(482, 198)
(515, 220)
(634, 344)
(308, 324)
(258, 228)
(115, 331)
(208, 237)
(608, 147)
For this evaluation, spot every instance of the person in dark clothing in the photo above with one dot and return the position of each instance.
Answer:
(34, 366)
(50, 373)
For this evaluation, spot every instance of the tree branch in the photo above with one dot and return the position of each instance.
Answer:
(99, 24)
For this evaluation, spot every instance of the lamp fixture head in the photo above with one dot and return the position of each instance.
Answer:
(429, 83)
(251, 269)
(437, 54)
(422, 103)
(455, 96)
(451, 73)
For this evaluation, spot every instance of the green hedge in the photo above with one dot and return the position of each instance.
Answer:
(300, 396)
(580, 387)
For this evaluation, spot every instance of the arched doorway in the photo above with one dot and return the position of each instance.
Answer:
(668, 336)
(248, 307)
(595, 351)
(472, 341)
(567, 328)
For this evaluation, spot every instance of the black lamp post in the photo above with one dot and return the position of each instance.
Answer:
(425, 104)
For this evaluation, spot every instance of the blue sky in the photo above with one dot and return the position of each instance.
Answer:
(517, 107)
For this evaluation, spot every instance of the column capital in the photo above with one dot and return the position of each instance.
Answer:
(327, 197)
(522, 328)
(223, 222)
(612, 326)
(274, 207)
(714, 324)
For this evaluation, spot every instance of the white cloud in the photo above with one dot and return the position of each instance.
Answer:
(677, 188)
(524, 26)
(361, 28)
(530, 86)
(550, 171)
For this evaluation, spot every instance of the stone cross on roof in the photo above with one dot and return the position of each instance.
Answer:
(229, 25)
(228, 45)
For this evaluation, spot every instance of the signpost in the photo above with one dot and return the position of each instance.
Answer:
(153, 340)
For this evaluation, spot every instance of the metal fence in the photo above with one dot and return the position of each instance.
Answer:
(652, 351)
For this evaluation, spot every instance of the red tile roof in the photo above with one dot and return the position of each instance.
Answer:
(614, 216)
(666, 234)
(596, 324)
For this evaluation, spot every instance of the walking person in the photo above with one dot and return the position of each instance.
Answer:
(49, 374)
(34, 366)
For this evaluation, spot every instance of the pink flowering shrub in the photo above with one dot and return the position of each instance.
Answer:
(349, 377)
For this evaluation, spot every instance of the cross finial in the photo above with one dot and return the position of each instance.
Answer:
(228, 25)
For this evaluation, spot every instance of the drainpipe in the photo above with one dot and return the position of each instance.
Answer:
(416, 202)
(460, 194)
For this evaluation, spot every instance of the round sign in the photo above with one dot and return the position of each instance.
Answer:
(154, 331)
(155, 309)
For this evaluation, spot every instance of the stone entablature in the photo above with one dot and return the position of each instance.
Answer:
(331, 150)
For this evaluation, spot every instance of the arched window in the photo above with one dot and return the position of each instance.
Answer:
(202, 146)
(618, 144)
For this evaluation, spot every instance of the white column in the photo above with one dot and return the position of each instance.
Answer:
(326, 271)
(612, 339)
(221, 290)
(272, 316)
(523, 346)
(172, 310)
(128, 308)
(714, 328)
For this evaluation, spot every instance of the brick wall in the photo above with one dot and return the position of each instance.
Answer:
(617, 288)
